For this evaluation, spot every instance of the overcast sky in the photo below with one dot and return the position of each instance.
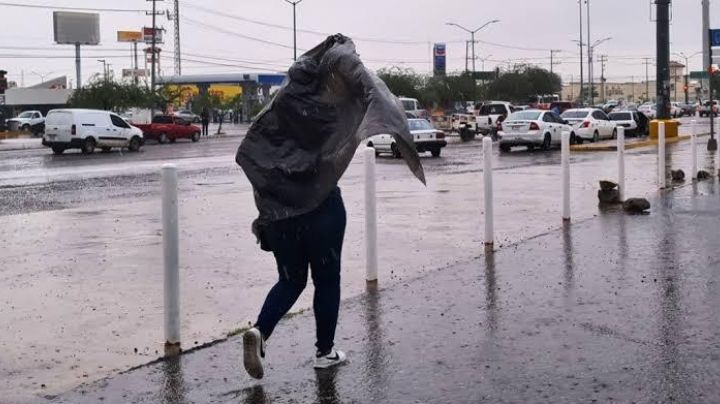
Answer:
(217, 35)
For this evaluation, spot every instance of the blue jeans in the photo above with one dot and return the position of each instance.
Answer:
(313, 239)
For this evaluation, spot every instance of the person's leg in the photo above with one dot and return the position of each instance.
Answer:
(292, 265)
(325, 249)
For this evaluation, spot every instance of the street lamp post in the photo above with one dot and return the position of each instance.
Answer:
(687, 69)
(41, 75)
(580, 43)
(294, 4)
(472, 36)
(483, 61)
(105, 73)
(591, 50)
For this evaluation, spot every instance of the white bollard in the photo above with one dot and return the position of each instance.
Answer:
(661, 155)
(621, 161)
(565, 164)
(693, 146)
(487, 175)
(171, 254)
(371, 256)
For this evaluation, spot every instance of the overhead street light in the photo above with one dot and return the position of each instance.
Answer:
(591, 49)
(472, 35)
(687, 67)
(294, 4)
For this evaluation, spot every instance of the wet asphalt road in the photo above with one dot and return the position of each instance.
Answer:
(618, 308)
(82, 240)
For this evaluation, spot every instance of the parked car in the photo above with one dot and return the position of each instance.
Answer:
(412, 106)
(533, 128)
(560, 106)
(609, 106)
(705, 108)
(168, 128)
(86, 129)
(426, 138)
(491, 114)
(687, 109)
(441, 122)
(650, 110)
(26, 121)
(675, 109)
(635, 123)
(187, 115)
(590, 124)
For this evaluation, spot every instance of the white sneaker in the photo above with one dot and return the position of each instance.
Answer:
(334, 358)
(253, 352)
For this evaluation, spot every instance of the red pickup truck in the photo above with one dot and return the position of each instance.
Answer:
(168, 128)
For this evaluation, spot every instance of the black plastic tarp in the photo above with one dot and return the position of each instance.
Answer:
(300, 145)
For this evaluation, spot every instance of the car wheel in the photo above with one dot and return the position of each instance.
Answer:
(573, 139)
(596, 137)
(395, 151)
(467, 135)
(530, 147)
(88, 146)
(106, 149)
(58, 150)
(435, 152)
(134, 145)
(195, 137)
(504, 148)
(163, 138)
(546, 142)
(25, 128)
(614, 134)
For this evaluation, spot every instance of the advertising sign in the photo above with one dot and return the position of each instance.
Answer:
(148, 35)
(72, 28)
(130, 36)
(439, 59)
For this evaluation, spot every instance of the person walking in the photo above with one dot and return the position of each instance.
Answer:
(205, 120)
(294, 154)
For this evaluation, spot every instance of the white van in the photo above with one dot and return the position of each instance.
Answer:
(86, 129)
(412, 108)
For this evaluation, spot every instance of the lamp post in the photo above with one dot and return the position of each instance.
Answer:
(687, 69)
(472, 35)
(41, 75)
(580, 43)
(483, 61)
(294, 4)
(591, 49)
(105, 73)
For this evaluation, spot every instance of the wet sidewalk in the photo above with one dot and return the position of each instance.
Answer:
(616, 308)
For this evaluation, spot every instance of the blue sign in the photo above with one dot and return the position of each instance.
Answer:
(439, 59)
(715, 37)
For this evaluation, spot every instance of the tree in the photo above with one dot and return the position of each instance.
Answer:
(403, 82)
(114, 96)
(522, 82)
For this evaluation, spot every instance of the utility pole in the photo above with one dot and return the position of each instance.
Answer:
(105, 73)
(552, 63)
(153, 44)
(294, 4)
(632, 86)
(467, 56)
(590, 67)
(472, 36)
(707, 60)
(582, 73)
(178, 57)
(662, 81)
(603, 60)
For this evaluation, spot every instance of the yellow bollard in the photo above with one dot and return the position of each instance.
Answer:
(671, 128)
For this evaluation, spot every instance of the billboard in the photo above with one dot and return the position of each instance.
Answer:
(148, 35)
(439, 58)
(134, 73)
(72, 28)
(129, 36)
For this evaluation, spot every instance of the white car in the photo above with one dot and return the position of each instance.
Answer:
(26, 120)
(533, 128)
(590, 124)
(426, 138)
(626, 119)
(676, 110)
(187, 115)
(491, 114)
(649, 110)
(86, 129)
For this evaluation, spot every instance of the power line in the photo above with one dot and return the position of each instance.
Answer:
(48, 7)
(233, 33)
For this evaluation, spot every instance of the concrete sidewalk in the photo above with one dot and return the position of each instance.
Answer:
(616, 308)
(20, 144)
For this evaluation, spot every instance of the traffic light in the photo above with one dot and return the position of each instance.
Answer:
(685, 88)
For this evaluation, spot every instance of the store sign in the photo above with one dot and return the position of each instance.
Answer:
(130, 36)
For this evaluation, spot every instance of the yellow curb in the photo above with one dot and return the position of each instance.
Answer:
(13, 135)
(632, 145)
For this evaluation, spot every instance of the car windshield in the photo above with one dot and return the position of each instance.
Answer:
(574, 114)
(419, 124)
(492, 109)
(26, 114)
(524, 116)
(622, 116)
(409, 105)
(162, 119)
